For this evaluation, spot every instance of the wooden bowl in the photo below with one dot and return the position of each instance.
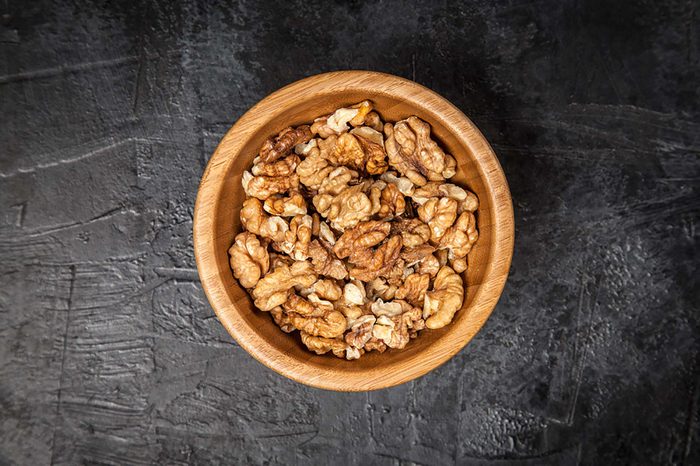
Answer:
(220, 198)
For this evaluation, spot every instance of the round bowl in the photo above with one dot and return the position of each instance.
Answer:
(220, 198)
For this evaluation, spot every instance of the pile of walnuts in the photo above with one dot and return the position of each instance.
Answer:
(352, 234)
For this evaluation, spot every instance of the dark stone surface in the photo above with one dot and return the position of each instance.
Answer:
(110, 353)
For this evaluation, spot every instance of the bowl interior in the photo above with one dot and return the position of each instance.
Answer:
(270, 343)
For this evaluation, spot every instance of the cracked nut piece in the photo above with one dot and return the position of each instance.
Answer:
(354, 293)
(466, 200)
(311, 307)
(380, 288)
(329, 325)
(413, 231)
(380, 308)
(405, 186)
(429, 265)
(289, 206)
(439, 214)
(392, 202)
(414, 154)
(249, 259)
(282, 320)
(360, 331)
(296, 238)
(321, 345)
(364, 235)
(281, 167)
(346, 209)
(272, 290)
(414, 255)
(373, 264)
(325, 262)
(392, 331)
(262, 187)
(375, 156)
(256, 221)
(337, 181)
(282, 145)
(444, 300)
(348, 152)
(313, 170)
(460, 237)
(373, 121)
(413, 288)
(369, 134)
(327, 289)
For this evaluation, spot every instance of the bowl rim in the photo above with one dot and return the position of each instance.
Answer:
(488, 292)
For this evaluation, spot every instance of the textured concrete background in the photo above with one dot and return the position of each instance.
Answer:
(110, 353)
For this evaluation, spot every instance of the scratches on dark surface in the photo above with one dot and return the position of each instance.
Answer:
(35, 75)
(63, 359)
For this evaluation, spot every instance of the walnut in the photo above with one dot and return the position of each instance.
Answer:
(354, 293)
(414, 154)
(460, 237)
(379, 288)
(346, 209)
(439, 214)
(320, 345)
(363, 236)
(459, 265)
(363, 109)
(296, 238)
(444, 300)
(284, 142)
(392, 331)
(325, 262)
(429, 265)
(414, 255)
(392, 202)
(249, 259)
(361, 331)
(348, 152)
(282, 167)
(306, 148)
(351, 313)
(313, 170)
(414, 288)
(257, 222)
(272, 289)
(282, 320)
(334, 124)
(370, 135)
(329, 325)
(325, 233)
(277, 260)
(313, 306)
(405, 186)
(353, 353)
(337, 181)
(286, 206)
(327, 289)
(390, 308)
(327, 149)
(373, 264)
(466, 200)
(373, 121)
(374, 344)
(413, 231)
(441, 255)
(262, 187)
(374, 155)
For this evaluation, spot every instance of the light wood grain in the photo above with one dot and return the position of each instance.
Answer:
(220, 197)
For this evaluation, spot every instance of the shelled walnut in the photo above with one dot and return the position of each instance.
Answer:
(353, 234)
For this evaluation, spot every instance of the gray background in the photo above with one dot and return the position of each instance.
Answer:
(109, 351)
